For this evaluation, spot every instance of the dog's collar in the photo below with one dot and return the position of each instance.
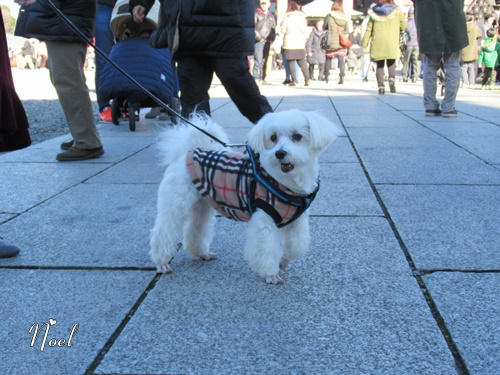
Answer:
(302, 202)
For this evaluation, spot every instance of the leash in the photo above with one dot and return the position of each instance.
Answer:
(134, 81)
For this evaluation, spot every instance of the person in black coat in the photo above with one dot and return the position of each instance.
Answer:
(207, 37)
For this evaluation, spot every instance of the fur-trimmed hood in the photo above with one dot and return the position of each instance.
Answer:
(383, 12)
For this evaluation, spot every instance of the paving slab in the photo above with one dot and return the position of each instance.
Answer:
(469, 304)
(96, 301)
(89, 225)
(25, 185)
(343, 309)
(447, 227)
(480, 139)
(344, 190)
(418, 156)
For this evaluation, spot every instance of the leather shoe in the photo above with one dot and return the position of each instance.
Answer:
(76, 154)
(67, 145)
(8, 251)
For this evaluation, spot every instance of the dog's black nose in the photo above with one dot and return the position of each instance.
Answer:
(280, 154)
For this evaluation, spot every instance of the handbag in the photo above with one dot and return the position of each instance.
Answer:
(343, 39)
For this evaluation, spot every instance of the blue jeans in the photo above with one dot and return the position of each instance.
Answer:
(104, 40)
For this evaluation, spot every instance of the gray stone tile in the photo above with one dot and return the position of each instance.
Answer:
(143, 167)
(480, 139)
(4, 218)
(344, 190)
(469, 304)
(373, 121)
(447, 227)
(95, 300)
(418, 156)
(340, 151)
(88, 225)
(344, 308)
(25, 185)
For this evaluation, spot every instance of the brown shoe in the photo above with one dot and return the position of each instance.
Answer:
(67, 145)
(76, 154)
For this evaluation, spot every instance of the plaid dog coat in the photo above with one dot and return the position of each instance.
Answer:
(236, 185)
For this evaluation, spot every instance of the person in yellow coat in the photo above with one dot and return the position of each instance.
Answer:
(387, 21)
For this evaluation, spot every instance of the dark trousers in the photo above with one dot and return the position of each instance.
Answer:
(195, 75)
(328, 66)
(391, 68)
(303, 67)
(260, 57)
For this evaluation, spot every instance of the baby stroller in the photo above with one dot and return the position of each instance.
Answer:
(151, 68)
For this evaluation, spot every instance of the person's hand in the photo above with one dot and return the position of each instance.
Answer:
(139, 12)
(24, 2)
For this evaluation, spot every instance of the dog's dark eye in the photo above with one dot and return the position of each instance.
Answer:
(296, 137)
(274, 138)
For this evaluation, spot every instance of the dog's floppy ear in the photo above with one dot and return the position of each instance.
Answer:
(257, 136)
(322, 131)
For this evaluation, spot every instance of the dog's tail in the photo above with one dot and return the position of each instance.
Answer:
(177, 141)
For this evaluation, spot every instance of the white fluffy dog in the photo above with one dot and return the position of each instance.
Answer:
(271, 187)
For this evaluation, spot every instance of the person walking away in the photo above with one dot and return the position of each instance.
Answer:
(469, 53)
(265, 33)
(365, 57)
(442, 36)
(315, 54)
(488, 58)
(207, 38)
(386, 23)
(66, 57)
(14, 134)
(336, 22)
(411, 65)
(295, 33)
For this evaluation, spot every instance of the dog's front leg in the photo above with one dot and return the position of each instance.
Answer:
(296, 239)
(263, 250)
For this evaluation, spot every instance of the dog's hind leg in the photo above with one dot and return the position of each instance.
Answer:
(198, 233)
(296, 239)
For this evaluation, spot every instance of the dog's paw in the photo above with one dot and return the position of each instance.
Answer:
(163, 268)
(274, 279)
(284, 263)
(208, 257)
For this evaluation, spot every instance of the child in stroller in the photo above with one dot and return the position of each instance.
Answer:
(151, 68)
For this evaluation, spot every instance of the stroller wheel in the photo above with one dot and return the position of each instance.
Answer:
(132, 109)
(115, 111)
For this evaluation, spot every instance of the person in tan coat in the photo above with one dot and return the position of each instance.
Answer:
(386, 23)
(336, 22)
(469, 53)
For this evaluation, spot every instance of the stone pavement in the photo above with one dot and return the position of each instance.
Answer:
(402, 276)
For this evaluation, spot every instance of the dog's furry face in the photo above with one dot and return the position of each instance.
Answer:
(289, 143)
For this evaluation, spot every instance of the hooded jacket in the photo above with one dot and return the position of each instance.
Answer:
(382, 32)
(204, 27)
(335, 23)
(38, 20)
(490, 50)
(294, 29)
